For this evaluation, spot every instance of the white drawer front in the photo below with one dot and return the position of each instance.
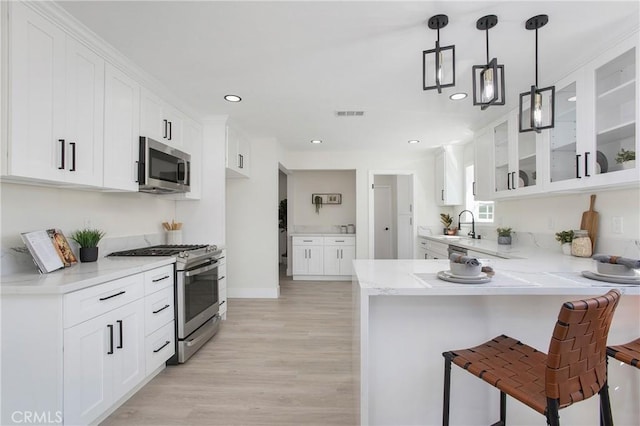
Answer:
(159, 310)
(222, 271)
(159, 347)
(306, 241)
(157, 279)
(222, 297)
(339, 241)
(94, 301)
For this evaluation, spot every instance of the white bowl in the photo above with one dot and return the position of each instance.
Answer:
(463, 270)
(614, 269)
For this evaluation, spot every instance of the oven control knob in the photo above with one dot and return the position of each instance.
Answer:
(183, 254)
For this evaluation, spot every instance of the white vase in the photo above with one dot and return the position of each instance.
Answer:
(631, 164)
(566, 248)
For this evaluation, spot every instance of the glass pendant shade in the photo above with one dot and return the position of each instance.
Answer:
(537, 106)
(488, 79)
(438, 64)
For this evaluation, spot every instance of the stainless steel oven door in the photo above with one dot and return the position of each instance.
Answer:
(197, 294)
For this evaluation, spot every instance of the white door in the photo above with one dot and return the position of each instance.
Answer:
(332, 260)
(405, 213)
(128, 369)
(316, 263)
(383, 221)
(347, 254)
(300, 257)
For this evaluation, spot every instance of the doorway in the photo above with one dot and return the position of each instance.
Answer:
(391, 215)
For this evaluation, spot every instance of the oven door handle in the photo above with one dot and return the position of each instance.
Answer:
(201, 270)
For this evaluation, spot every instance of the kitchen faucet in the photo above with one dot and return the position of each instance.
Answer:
(472, 233)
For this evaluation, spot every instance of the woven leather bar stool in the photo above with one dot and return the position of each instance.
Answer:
(629, 353)
(575, 368)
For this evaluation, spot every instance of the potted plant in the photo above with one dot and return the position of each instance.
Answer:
(317, 201)
(446, 220)
(565, 238)
(504, 236)
(626, 158)
(88, 240)
(282, 224)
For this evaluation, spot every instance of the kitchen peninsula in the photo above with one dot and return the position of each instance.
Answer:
(408, 317)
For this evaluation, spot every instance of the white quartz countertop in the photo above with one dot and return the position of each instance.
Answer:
(556, 275)
(321, 234)
(79, 276)
(490, 247)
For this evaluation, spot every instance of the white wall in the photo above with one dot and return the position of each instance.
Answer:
(252, 226)
(204, 220)
(362, 161)
(28, 208)
(307, 182)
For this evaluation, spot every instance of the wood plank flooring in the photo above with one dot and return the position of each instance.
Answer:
(286, 361)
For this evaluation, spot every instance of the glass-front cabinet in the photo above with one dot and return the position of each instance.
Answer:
(596, 124)
(515, 158)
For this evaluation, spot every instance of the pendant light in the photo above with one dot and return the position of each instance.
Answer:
(488, 79)
(540, 102)
(439, 64)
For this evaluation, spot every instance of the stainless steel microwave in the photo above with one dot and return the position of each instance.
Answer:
(162, 169)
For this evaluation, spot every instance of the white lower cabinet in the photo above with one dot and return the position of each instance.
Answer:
(96, 347)
(323, 258)
(308, 260)
(103, 360)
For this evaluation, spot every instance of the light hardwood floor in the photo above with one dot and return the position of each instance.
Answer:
(286, 361)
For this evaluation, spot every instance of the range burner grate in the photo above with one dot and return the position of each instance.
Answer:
(159, 250)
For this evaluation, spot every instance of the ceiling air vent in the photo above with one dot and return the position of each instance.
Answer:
(349, 113)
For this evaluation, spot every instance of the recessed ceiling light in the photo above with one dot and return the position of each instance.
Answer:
(458, 96)
(316, 141)
(232, 98)
(572, 99)
(412, 141)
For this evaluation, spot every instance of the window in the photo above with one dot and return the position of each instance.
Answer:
(483, 211)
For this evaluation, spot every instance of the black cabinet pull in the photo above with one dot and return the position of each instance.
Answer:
(160, 279)
(161, 309)
(113, 295)
(110, 352)
(223, 302)
(221, 278)
(170, 132)
(164, 136)
(586, 164)
(73, 156)
(578, 166)
(241, 161)
(442, 194)
(513, 180)
(473, 190)
(61, 167)
(508, 181)
(121, 343)
(161, 347)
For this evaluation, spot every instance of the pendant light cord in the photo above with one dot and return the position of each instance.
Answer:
(536, 58)
(487, 34)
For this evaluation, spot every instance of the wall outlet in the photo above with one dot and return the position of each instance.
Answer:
(616, 225)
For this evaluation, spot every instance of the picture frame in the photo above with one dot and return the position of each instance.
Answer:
(327, 198)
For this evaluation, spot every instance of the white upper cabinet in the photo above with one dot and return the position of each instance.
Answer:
(596, 118)
(122, 130)
(56, 104)
(449, 176)
(516, 164)
(238, 158)
(483, 187)
(192, 144)
(159, 120)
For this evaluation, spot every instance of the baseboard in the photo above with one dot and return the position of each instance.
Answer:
(322, 277)
(254, 293)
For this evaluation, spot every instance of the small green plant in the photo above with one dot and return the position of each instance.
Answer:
(317, 201)
(446, 220)
(624, 155)
(504, 232)
(564, 236)
(87, 237)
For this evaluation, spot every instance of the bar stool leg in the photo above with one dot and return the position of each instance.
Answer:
(606, 417)
(447, 390)
(553, 418)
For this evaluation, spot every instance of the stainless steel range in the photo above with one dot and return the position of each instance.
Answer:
(196, 293)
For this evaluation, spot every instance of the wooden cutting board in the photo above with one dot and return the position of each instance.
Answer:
(590, 220)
